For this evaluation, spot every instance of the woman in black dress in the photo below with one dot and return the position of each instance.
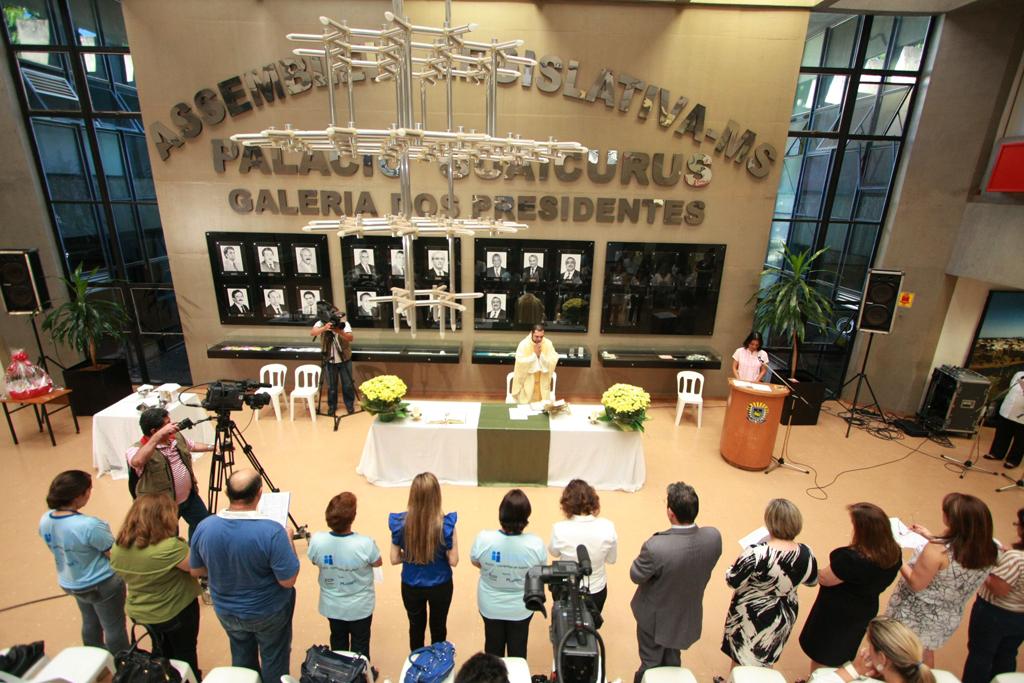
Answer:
(850, 586)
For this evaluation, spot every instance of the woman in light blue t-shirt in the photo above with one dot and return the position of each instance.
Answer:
(346, 561)
(81, 548)
(504, 556)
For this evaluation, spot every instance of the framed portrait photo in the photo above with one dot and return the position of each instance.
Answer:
(306, 260)
(397, 262)
(437, 264)
(268, 258)
(231, 261)
(275, 306)
(569, 268)
(308, 298)
(366, 308)
(364, 265)
(495, 307)
(237, 301)
(497, 266)
(533, 266)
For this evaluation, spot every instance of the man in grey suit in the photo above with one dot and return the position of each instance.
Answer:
(671, 573)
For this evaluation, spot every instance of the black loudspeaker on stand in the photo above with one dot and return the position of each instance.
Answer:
(23, 290)
(877, 316)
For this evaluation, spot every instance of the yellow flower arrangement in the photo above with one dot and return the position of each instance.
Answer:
(382, 396)
(626, 406)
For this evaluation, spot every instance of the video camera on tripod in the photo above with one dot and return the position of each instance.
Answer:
(578, 648)
(226, 395)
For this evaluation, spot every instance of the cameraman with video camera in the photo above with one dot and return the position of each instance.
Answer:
(162, 462)
(335, 334)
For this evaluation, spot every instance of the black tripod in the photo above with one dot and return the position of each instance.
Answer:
(781, 460)
(224, 460)
(862, 377)
(969, 465)
(325, 359)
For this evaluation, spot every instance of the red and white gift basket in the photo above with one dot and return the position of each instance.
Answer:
(24, 379)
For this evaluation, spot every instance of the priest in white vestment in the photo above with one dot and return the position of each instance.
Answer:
(536, 359)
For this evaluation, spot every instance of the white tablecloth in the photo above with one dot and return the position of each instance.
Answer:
(116, 427)
(395, 452)
(607, 458)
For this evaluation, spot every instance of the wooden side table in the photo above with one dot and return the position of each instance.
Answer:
(39, 405)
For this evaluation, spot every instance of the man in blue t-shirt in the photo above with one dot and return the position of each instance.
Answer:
(252, 567)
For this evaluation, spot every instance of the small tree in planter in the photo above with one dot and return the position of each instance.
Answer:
(790, 302)
(82, 323)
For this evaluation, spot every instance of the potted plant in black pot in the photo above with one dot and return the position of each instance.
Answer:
(83, 322)
(785, 307)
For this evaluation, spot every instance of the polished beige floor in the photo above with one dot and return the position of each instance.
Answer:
(314, 463)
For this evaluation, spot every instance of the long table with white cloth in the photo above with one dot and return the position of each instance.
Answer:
(116, 428)
(445, 441)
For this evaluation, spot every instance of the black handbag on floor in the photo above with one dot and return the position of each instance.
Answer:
(324, 666)
(20, 658)
(138, 666)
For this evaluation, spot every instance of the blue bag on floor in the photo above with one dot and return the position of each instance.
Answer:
(431, 664)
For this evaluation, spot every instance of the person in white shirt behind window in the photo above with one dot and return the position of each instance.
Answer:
(582, 526)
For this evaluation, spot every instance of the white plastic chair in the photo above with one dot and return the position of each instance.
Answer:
(755, 674)
(942, 676)
(690, 390)
(231, 674)
(275, 375)
(185, 670)
(82, 664)
(1012, 677)
(509, 398)
(518, 669)
(307, 383)
(669, 674)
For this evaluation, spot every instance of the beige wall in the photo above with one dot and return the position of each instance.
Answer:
(964, 96)
(741, 64)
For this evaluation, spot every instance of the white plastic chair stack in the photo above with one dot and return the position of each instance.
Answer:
(690, 390)
(185, 670)
(518, 670)
(669, 674)
(755, 674)
(275, 375)
(307, 382)
(509, 398)
(231, 674)
(81, 664)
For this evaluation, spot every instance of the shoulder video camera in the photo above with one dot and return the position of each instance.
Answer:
(226, 395)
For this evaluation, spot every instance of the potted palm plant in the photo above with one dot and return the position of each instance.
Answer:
(83, 323)
(786, 305)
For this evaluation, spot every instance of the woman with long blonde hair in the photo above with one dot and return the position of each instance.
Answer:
(153, 561)
(891, 653)
(424, 542)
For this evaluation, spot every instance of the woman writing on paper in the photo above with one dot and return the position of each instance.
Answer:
(749, 362)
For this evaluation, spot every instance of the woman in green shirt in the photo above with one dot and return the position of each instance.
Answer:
(153, 561)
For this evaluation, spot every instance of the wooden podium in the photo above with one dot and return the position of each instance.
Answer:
(751, 423)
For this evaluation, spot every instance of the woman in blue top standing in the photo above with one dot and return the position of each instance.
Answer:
(346, 561)
(423, 541)
(504, 556)
(81, 548)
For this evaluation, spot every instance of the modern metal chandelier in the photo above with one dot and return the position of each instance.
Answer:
(401, 52)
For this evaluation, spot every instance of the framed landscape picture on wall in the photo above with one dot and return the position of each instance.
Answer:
(268, 278)
(661, 288)
(998, 347)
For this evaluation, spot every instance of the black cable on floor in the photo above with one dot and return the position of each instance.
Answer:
(32, 602)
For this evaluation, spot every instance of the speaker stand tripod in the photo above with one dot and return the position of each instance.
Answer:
(970, 464)
(223, 463)
(43, 358)
(781, 460)
(862, 377)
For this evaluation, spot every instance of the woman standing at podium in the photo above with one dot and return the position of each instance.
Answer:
(749, 362)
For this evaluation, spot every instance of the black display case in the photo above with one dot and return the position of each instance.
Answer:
(686, 358)
(505, 354)
(381, 352)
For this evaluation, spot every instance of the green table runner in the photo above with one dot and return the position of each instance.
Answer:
(511, 451)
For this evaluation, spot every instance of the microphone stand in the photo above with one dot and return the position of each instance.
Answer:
(781, 460)
(970, 464)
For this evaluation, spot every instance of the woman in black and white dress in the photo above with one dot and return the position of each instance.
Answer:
(765, 578)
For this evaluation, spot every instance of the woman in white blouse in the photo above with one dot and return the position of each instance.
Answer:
(750, 362)
(581, 505)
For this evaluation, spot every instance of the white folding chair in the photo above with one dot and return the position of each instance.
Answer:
(275, 375)
(755, 674)
(231, 674)
(668, 674)
(82, 664)
(307, 382)
(518, 669)
(689, 390)
(942, 676)
(1012, 677)
(509, 398)
(184, 670)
